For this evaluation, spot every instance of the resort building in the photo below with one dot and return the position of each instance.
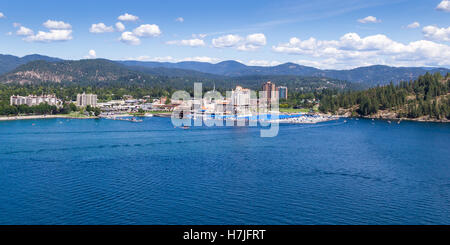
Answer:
(240, 99)
(86, 99)
(33, 100)
(269, 94)
(282, 92)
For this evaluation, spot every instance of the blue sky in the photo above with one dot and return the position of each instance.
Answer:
(327, 34)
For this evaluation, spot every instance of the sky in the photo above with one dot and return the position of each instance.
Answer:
(327, 34)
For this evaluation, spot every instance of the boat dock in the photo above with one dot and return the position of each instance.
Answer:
(124, 119)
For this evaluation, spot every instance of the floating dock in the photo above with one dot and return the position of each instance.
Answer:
(124, 119)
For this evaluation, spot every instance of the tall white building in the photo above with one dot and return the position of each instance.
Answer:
(86, 99)
(241, 99)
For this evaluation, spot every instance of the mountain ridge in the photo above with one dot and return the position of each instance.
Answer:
(368, 75)
(102, 72)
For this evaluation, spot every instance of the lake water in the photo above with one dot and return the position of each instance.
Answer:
(62, 171)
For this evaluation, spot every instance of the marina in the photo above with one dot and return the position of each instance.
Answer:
(298, 118)
(133, 119)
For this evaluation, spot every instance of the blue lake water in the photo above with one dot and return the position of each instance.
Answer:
(62, 171)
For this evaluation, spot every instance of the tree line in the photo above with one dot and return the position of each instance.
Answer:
(426, 96)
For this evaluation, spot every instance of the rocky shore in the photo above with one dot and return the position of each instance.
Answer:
(390, 115)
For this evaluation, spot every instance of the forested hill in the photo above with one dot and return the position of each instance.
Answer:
(103, 73)
(427, 98)
(368, 76)
(10, 62)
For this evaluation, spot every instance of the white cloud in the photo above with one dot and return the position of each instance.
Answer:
(23, 31)
(351, 50)
(179, 19)
(59, 31)
(189, 42)
(100, 28)
(133, 38)
(147, 31)
(200, 59)
(162, 59)
(247, 47)
(257, 39)
(59, 25)
(227, 41)
(200, 36)
(250, 43)
(173, 60)
(2, 15)
(436, 33)
(139, 58)
(91, 54)
(263, 63)
(444, 6)
(414, 25)
(129, 38)
(128, 17)
(369, 19)
(120, 26)
(253, 42)
(52, 35)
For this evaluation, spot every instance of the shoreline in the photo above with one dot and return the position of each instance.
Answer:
(406, 119)
(166, 115)
(34, 117)
(388, 116)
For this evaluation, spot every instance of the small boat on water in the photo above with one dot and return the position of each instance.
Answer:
(135, 120)
(185, 127)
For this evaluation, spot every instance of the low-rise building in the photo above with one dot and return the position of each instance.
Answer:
(33, 100)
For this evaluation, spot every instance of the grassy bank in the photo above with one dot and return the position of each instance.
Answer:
(74, 115)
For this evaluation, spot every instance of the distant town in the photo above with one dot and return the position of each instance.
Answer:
(242, 102)
(425, 99)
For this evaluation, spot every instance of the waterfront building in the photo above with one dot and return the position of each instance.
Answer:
(282, 92)
(269, 94)
(240, 99)
(33, 100)
(86, 99)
